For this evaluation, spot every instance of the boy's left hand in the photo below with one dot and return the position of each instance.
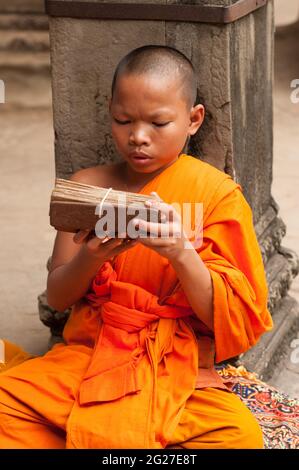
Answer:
(167, 238)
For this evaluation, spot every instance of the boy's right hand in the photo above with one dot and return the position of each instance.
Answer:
(102, 248)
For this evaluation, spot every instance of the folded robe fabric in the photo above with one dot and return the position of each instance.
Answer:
(150, 350)
(12, 355)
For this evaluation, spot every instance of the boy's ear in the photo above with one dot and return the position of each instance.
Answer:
(197, 115)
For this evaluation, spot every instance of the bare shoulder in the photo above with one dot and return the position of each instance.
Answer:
(101, 175)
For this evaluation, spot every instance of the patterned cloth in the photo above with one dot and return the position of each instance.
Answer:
(276, 412)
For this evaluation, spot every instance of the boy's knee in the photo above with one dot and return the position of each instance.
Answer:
(250, 433)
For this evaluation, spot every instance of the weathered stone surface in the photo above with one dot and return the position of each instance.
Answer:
(270, 230)
(50, 317)
(251, 78)
(281, 268)
(22, 6)
(25, 59)
(24, 40)
(23, 21)
(264, 357)
(272, 238)
(32, 62)
(208, 47)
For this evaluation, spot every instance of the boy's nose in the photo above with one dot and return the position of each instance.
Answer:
(139, 137)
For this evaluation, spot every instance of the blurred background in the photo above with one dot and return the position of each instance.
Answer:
(27, 159)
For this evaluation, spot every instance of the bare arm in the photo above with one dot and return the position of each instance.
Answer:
(197, 284)
(69, 276)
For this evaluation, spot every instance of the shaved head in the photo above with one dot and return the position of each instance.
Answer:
(162, 62)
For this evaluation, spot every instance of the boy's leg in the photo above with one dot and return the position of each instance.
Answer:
(11, 355)
(216, 419)
(20, 430)
(37, 396)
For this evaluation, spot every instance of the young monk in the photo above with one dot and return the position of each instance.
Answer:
(150, 315)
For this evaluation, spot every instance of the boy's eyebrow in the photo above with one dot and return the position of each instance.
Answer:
(161, 111)
(153, 115)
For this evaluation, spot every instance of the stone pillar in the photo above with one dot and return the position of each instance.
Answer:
(234, 66)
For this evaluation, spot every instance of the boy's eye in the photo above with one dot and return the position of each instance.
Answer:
(121, 122)
(161, 124)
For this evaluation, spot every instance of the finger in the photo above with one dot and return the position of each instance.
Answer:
(96, 242)
(124, 245)
(155, 242)
(157, 204)
(80, 236)
(156, 195)
(151, 229)
(85, 235)
(129, 242)
(158, 228)
(168, 213)
(158, 213)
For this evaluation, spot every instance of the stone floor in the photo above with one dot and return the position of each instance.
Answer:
(27, 177)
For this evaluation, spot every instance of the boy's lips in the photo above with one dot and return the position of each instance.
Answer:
(139, 155)
(140, 158)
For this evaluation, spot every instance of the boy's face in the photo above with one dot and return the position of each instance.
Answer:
(149, 115)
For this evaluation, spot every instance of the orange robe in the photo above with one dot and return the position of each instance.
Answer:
(11, 355)
(136, 356)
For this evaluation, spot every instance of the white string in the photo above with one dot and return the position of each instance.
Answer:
(102, 202)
